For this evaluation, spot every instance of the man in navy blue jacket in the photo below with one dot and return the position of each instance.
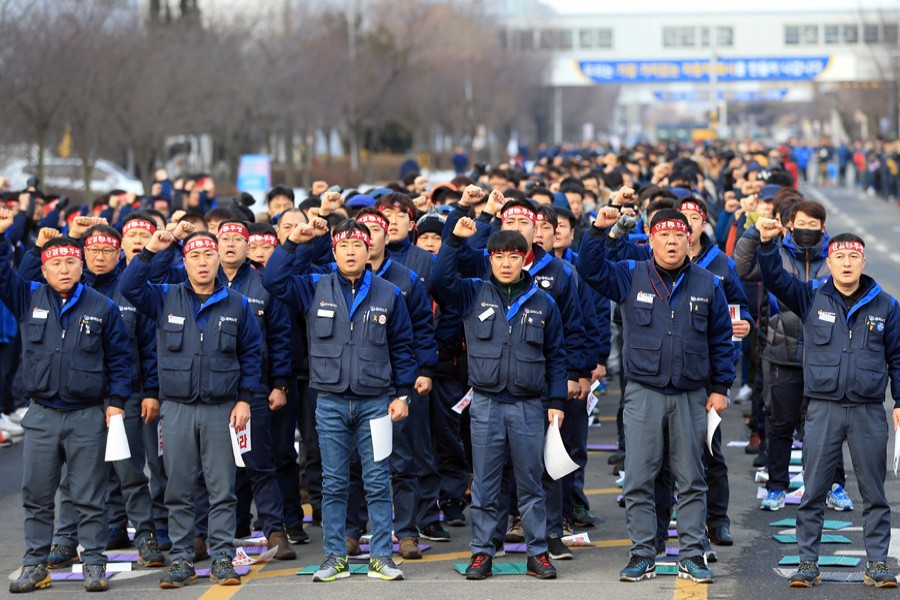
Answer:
(852, 332)
(516, 358)
(209, 372)
(362, 365)
(679, 364)
(67, 378)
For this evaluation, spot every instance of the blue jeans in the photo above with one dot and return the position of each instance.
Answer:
(341, 423)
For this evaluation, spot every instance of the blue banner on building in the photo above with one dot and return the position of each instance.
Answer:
(687, 71)
(774, 95)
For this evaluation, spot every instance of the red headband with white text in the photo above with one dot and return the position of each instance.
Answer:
(849, 245)
(201, 243)
(60, 252)
(351, 234)
(670, 225)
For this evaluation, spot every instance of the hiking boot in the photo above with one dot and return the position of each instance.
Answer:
(95, 578)
(409, 548)
(773, 501)
(242, 531)
(878, 575)
(557, 548)
(480, 567)
(352, 546)
(638, 568)
(721, 536)
(180, 574)
(297, 535)
(515, 534)
(32, 577)
(334, 567)
(223, 572)
(61, 556)
(540, 566)
(453, 512)
(280, 539)
(807, 575)
(695, 569)
(754, 445)
(583, 517)
(117, 539)
(435, 532)
(163, 540)
(838, 499)
(148, 552)
(200, 550)
(383, 567)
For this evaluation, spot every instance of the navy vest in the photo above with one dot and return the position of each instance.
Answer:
(348, 345)
(844, 361)
(68, 363)
(196, 364)
(505, 347)
(668, 347)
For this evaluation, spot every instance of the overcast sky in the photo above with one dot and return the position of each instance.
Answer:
(712, 6)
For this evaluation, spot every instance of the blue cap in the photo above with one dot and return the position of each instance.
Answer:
(768, 191)
(753, 166)
(360, 201)
(680, 192)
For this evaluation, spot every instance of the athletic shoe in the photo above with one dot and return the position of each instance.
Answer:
(297, 535)
(334, 567)
(383, 567)
(17, 415)
(540, 566)
(148, 552)
(180, 574)
(95, 578)
(10, 426)
(32, 577)
(773, 501)
(61, 556)
(583, 517)
(557, 549)
(515, 534)
(878, 575)
(480, 567)
(117, 539)
(453, 512)
(499, 549)
(744, 393)
(695, 569)
(5, 440)
(838, 499)
(223, 572)
(435, 532)
(807, 575)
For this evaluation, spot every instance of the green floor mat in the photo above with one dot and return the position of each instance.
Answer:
(827, 538)
(824, 561)
(354, 569)
(666, 569)
(784, 523)
(504, 568)
(828, 524)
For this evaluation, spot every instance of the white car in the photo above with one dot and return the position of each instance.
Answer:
(68, 174)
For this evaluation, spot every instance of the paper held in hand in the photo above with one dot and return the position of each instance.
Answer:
(240, 442)
(556, 459)
(460, 406)
(116, 440)
(712, 423)
(735, 311)
(382, 437)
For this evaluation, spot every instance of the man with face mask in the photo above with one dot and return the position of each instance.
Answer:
(67, 378)
(209, 373)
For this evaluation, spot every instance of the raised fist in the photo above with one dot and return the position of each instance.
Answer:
(465, 228)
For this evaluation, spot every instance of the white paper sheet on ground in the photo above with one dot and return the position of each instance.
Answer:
(592, 400)
(466, 400)
(761, 477)
(577, 539)
(116, 440)
(382, 437)
(111, 567)
(252, 541)
(235, 447)
(556, 459)
(896, 452)
(242, 559)
(712, 423)
(737, 444)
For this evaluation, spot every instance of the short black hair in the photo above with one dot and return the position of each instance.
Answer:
(262, 229)
(669, 214)
(565, 213)
(60, 242)
(220, 214)
(613, 180)
(103, 230)
(541, 191)
(514, 194)
(780, 177)
(658, 205)
(549, 214)
(280, 190)
(524, 203)
(507, 241)
(388, 201)
(848, 237)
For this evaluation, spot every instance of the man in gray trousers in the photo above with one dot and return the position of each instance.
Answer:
(209, 369)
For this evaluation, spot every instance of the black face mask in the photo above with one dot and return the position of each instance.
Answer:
(806, 238)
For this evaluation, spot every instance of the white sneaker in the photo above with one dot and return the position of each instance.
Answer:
(10, 427)
(744, 393)
(17, 415)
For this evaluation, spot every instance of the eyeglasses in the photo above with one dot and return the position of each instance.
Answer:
(99, 251)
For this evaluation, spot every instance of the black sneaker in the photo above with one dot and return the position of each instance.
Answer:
(453, 513)
(435, 532)
(557, 549)
(878, 575)
(807, 575)
(638, 568)
(61, 556)
(223, 572)
(117, 539)
(761, 459)
(480, 567)
(583, 517)
(242, 531)
(297, 535)
(148, 552)
(95, 578)
(540, 566)
(32, 577)
(180, 574)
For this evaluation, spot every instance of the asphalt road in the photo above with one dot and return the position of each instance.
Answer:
(746, 570)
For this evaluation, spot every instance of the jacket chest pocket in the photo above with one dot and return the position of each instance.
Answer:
(484, 328)
(130, 322)
(323, 324)
(822, 334)
(700, 317)
(34, 331)
(534, 333)
(228, 332)
(376, 331)
(90, 334)
(173, 336)
(643, 314)
(875, 338)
